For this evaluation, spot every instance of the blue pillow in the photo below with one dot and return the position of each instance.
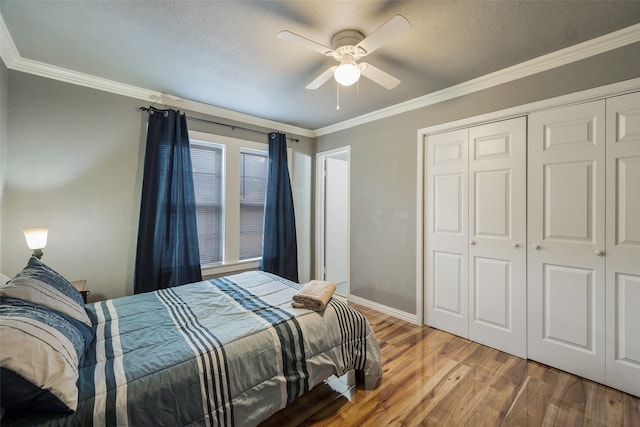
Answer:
(41, 352)
(40, 284)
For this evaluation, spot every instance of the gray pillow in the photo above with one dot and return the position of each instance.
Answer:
(40, 284)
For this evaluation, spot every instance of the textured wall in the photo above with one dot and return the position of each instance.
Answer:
(384, 170)
(75, 164)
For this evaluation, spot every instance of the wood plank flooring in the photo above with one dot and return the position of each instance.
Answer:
(433, 378)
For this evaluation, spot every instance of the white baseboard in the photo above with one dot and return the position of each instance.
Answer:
(399, 314)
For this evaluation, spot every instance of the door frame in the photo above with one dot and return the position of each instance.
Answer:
(320, 209)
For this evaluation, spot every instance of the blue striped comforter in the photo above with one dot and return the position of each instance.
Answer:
(229, 351)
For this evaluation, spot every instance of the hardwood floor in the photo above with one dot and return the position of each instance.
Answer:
(434, 378)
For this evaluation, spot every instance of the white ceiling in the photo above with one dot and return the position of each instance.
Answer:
(226, 53)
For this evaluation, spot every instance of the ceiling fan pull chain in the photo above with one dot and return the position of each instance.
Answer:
(337, 96)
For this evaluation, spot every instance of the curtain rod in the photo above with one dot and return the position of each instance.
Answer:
(233, 127)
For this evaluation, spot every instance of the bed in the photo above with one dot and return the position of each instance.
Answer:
(221, 352)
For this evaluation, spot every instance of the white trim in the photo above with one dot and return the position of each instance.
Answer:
(319, 219)
(552, 60)
(225, 269)
(420, 234)
(8, 51)
(228, 140)
(390, 311)
(320, 208)
(156, 98)
(607, 91)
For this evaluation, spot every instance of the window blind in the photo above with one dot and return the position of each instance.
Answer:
(253, 185)
(208, 181)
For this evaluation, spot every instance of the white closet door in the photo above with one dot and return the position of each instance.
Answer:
(447, 233)
(623, 243)
(497, 229)
(566, 231)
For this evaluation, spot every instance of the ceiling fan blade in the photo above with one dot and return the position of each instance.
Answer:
(376, 75)
(391, 29)
(321, 79)
(304, 42)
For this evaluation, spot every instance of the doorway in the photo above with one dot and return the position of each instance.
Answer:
(332, 218)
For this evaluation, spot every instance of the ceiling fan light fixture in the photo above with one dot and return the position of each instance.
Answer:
(350, 46)
(347, 73)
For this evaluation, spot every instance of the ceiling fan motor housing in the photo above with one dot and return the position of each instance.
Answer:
(345, 42)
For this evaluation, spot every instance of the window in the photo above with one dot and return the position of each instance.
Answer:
(253, 189)
(208, 182)
(230, 180)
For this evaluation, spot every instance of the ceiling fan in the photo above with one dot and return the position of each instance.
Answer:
(348, 47)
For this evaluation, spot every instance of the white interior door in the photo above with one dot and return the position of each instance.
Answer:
(623, 243)
(497, 229)
(336, 222)
(446, 296)
(566, 231)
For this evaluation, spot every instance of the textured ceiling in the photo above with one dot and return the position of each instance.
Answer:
(226, 53)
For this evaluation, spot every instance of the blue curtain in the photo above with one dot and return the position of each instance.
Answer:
(167, 253)
(279, 246)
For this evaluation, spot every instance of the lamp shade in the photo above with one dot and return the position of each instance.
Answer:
(36, 237)
(347, 73)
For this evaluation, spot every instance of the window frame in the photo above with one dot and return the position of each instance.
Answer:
(231, 199)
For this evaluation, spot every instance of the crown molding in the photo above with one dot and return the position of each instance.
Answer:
(552, 60)
(13, 61)
(69, 76)
(587, 95)
(602, 44)
(8, 51)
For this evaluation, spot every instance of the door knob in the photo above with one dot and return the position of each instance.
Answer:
(536, 247)
(472, 242)
(599, 252)
(516, 245)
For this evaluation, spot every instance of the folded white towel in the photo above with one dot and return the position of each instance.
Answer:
(314, 295)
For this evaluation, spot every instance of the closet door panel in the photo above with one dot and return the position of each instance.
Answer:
(561, 285)
(623, 243)
(497, 229)
(492, 302)
(447, 199)
(627, 203)
(447, 283)
(566, 235)
(568, 184)
(446, 253)
(492, 204)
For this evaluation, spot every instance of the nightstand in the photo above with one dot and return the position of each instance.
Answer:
(81, 286)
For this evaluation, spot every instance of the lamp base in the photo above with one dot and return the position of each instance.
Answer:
(37, 253)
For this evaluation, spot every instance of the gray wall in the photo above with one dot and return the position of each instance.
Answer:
(384, 170)
(74, 163)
